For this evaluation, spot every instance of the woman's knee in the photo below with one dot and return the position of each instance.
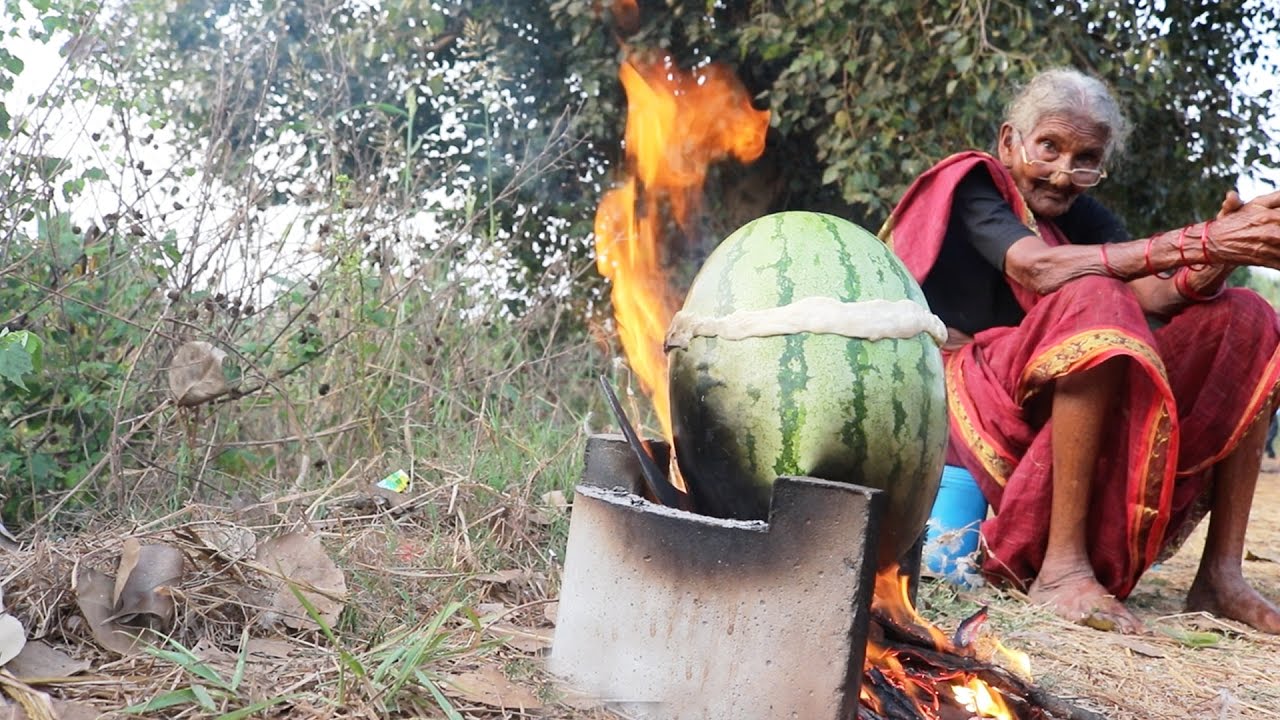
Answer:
(1111, 301)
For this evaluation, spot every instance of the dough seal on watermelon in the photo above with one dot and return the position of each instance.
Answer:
(804, 347)
(866, 319)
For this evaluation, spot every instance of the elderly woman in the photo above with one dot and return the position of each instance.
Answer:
(1104, 391)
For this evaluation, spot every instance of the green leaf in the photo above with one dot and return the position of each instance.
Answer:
(204, 698)
(185, 696)
(1193, 638)
(20, 354)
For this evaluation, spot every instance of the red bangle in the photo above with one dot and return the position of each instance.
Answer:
(1146, 256)
(1102, 250)
(1184, 288)
(1182, 249)
(1204, 242)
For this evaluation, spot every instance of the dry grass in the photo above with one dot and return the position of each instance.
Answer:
(407, 567)
(436, 573)
(1161, 675)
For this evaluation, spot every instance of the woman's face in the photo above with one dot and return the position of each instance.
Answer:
(1058, 142)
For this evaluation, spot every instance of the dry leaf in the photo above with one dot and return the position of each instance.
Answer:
(195, 375)
(550, 611)
(503, 577)
(142, 596)
(529, 640)
(57, 709)
(129, 552)
(491, 612)
(262, 649)
(555, 499)
(301, 558)
(13, 637)
(1136, 645)
(93, 595)
(68, 710)
(210, 653)
(488, 686)
(227, 541)
(40, 661)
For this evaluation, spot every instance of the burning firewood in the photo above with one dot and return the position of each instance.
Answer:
(925, 666)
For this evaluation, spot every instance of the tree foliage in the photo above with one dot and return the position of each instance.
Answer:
(442, 104)
(866, 94)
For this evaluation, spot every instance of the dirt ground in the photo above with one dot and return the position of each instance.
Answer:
(1189, 666)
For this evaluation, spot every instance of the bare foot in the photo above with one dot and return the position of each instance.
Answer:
(1078, 596)
(1229, 595)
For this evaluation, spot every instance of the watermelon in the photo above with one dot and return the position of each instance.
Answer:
(805, 348)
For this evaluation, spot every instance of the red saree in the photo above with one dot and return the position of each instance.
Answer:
(1194, 386)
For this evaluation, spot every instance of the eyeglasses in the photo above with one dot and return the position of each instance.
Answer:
(1080, 177)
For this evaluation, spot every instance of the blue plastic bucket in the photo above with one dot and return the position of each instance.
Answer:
(951, 538)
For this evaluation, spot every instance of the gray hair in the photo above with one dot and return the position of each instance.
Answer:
(1065, 91)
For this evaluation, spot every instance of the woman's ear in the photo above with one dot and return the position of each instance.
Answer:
(1004, 144)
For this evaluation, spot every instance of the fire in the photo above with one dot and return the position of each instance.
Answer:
(978, 697)
(678, 124)
(896, 673)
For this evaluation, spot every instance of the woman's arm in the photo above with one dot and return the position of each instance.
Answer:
(1242, 234)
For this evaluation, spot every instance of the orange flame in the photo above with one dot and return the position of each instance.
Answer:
(929, 692)
(678, 124)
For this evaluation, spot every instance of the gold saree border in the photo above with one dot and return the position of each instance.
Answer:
(998, 463)
(1081, 348)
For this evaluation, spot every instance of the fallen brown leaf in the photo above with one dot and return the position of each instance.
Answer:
(550, 611)
(488, 686)
(302, 560)
(227, 541)
(143, 596)
(1138, 646)
(57, 709)
(555, 499)
(129, 552)
(261, 649)
(491, 612)
(40, 661)
(503, 577)
(93, 595)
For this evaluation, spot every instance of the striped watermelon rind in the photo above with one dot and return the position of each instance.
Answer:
(840, 408)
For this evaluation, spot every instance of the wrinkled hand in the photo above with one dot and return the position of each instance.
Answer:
(1245, 233)
(1231, 202)
(956, 340)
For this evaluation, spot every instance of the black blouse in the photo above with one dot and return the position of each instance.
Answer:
(966, 286)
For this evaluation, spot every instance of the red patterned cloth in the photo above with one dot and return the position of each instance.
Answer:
(1194, 386)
